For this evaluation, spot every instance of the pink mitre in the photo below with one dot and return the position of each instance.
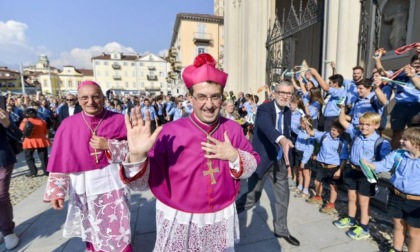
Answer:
(87, 83)
(204, 69)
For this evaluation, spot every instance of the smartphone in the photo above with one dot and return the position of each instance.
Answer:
(3, 101)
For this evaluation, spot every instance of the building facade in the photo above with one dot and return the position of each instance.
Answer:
(9, 80)
(194, 34)
(266, 38)
(131, 74)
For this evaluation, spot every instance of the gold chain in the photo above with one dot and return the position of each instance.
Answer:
(94, 131)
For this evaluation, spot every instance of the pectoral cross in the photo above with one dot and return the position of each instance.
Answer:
(211, 172)
(95, 152)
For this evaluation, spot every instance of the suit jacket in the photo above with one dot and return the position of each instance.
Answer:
(265, 135)
(64, 112)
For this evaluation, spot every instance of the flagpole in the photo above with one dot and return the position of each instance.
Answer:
(21, 79)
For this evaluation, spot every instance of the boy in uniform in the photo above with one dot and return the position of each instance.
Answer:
(365, 145)
(404, 197)
(332, 157)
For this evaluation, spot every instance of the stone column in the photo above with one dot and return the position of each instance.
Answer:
(330, 35)
(347, 36)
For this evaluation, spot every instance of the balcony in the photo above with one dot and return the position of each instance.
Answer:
(177, 66)
(116, 66)
(117, 77)
(174, 52)
(152, 77)
(200, 37)
(151, 67)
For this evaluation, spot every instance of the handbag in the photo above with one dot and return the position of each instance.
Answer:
(28, 130)
(16, 145)
(13, 137)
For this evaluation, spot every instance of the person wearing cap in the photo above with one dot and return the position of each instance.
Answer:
(99, 203)
(37, 141)
(193, 166)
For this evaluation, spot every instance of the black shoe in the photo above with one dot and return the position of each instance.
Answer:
(30, 176)
(290, 239)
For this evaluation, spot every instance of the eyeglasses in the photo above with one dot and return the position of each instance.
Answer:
(282, 93)
(70, 99)
(96, 98)
(203, 98)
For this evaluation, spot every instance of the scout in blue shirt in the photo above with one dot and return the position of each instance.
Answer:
(304, 146)
(351, 86)
(331, 158)
(358, 186)
(407, 98)
(335, 91)
(366, 102)
(404, 198)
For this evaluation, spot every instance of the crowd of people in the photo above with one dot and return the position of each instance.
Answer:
(305, 132)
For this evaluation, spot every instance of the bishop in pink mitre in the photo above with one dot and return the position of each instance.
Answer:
(193, 166)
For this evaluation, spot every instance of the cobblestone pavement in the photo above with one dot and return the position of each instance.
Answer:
(21, 186)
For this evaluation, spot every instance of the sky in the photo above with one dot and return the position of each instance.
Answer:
(72, 32)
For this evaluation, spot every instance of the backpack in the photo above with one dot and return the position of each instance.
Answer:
(340, 143)
(28, 130)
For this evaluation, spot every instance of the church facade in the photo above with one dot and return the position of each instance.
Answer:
(264, 39)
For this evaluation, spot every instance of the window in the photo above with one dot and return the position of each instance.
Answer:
(98, 73)
(106, 63)
(152, 74)
(201, 28)
(69, 84)
(142, 85)
(125, 64)
(201, 50)
(162, 85)
(134, 85)
(161, 74)
(133, 64)
(97, 63)
(141, 64)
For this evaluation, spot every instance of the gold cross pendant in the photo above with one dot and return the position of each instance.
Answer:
(95, 152)
(211, 171)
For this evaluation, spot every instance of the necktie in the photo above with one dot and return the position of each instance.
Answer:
(279, 128)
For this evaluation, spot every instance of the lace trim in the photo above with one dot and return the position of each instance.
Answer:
(217, 235)
(57, 186)
(249, 164)
(118, 150)
(103, 219)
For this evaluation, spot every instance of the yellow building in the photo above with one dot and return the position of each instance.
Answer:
(194, 34)
(9, 80)
(70, 77)
(131, 74)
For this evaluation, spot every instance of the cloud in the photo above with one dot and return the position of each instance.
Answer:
(81, 57)
(163, 53)
(14, 48)
(12, 33)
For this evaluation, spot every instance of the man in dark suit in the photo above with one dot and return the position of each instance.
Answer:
(272, 142)
(69, 109)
